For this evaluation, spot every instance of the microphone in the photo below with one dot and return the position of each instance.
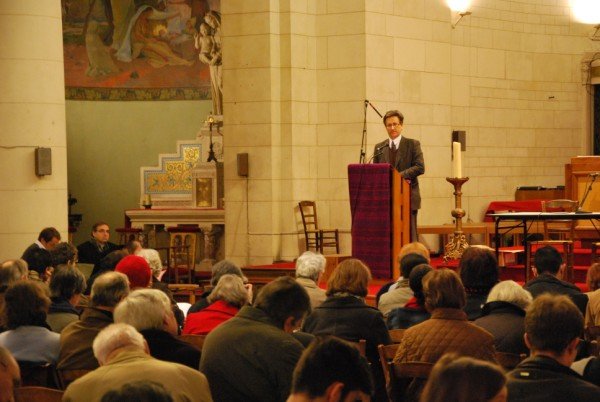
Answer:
(594, 174)
(379, 151)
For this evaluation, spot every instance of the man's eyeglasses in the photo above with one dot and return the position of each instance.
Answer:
(392, 125)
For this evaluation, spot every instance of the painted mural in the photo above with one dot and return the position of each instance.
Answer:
(142, 50)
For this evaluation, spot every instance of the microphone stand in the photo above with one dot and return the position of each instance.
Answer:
(363, 142)
(585, 195)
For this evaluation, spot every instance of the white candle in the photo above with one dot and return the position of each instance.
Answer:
(457, 161)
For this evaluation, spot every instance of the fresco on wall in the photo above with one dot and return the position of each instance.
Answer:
(142, 49)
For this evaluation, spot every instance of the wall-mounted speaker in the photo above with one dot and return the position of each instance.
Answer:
(43, 161)
(242, 164)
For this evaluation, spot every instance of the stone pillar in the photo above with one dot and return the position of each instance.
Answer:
(32, 112)
(294, 75)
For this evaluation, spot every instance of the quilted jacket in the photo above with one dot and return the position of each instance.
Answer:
(446, 331)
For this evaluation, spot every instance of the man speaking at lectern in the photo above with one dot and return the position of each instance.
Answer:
(405, 155)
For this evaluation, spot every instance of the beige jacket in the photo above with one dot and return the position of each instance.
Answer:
(316, 294)
(183, 383)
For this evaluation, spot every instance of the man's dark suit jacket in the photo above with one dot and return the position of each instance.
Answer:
(409, 163)
(88, 252)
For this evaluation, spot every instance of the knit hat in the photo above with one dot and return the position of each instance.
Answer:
(136, 269)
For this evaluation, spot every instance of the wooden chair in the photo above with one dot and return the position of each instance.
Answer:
(563, 229)
(408, 378)
(509, 361)
(38, 374)
(183, 241)
(386, 356)
(182, 290)
(195, 340)
(38, 394)
(565, 247)
(396, 335)
(65, 377)
(361, 345)
(314, 236)
(128, 234)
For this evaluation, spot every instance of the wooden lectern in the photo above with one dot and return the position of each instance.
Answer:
(380, 208)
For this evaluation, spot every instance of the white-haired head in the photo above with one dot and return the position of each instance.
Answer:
(116, 336)
(153, 258)
(510, 292)
(310, 265)
(230, 289)
(145, 309)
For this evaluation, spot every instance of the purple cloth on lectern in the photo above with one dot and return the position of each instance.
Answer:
(370, 208)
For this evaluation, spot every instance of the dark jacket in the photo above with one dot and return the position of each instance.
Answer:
(165, 346)
(506, 322)
(349, 318)
(88, 252)
(409, 162)
(543, 379)
(249, 358)
(547, 283)
(201, 304)
(475, 302)
(404, 317)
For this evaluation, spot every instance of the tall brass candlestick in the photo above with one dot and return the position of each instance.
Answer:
(457, 244)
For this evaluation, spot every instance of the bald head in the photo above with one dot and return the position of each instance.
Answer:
(10, 376)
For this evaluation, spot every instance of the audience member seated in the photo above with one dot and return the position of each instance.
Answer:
(29, 339)
(592, 312)
(414, 247)
(309, 269)
(11, 271)
(548, 270)
(123, 356)
(414, 311)
(137, 271)
(457, 378)
(93, 250)
(139, 391)
(149, 311)
(503, 316)
(448, 329)
(66, 286)
(40, 266)
(346, 315)
(226, 299)
(63, 254)
(106, 264)
(152, 257)
(588, 368)
(478, 270)
(76, 338)
(553, 325)
(47, 239)
(219, 269)
(400, 293)
(251, 357)
(10, 376)
(331, 370)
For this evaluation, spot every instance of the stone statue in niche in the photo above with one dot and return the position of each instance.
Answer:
(208, 42)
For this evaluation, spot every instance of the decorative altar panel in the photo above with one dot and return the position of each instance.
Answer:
(185, 179)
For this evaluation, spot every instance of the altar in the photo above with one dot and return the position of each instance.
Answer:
(185, 189)
(154, 222)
